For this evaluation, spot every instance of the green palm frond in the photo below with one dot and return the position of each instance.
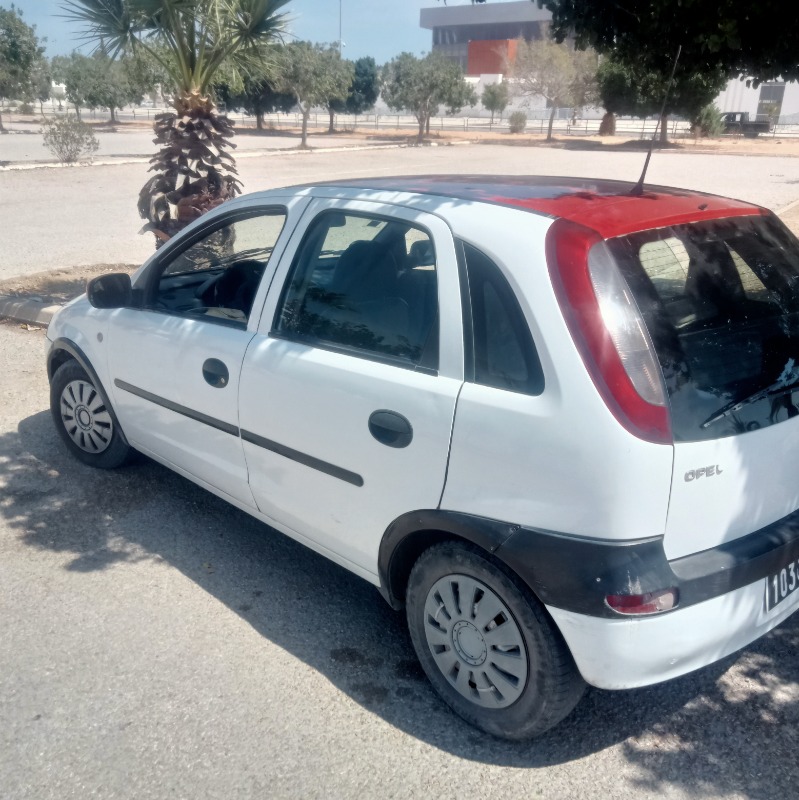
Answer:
(200, 34)
(109, 23)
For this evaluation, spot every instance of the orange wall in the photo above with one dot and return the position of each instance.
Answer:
(490, 57)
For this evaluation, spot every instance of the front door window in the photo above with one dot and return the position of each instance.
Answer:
(216, 277)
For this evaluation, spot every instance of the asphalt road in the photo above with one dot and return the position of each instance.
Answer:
(155, 642)
(56, 218)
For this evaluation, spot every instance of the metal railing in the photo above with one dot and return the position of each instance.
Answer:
(385, 122)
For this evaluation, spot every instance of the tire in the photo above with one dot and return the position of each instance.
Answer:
(500, 664)
(87, 426)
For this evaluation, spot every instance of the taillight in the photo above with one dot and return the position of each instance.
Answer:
(648, 603)
(608, 329)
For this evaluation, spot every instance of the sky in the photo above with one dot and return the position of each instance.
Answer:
(377, 28)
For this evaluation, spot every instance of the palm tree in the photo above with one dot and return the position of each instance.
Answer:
(190, 40)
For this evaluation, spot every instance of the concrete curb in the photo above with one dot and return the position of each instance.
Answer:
(23, 310)
(120, 160)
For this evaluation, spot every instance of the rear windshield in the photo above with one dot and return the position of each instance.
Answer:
(721, 302)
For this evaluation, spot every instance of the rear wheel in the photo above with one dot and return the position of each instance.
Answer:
(487, 645)
(84, 421)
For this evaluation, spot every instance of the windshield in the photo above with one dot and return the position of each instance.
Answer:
(721, 302)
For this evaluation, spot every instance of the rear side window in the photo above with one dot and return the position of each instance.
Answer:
(721, 303)
(502, 351)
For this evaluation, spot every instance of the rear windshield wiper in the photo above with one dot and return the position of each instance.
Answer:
(787, 382)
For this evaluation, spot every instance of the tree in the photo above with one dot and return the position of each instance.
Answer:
(585, 89)
(19, 52)
(257, 97)
(364, 89)
(632, 88)
(420, 86)
(341, 74)
(726, 35)
(40, 83)
(495, 98)
(313, 74)
(552, 71)
(191, 40)
(99, 81)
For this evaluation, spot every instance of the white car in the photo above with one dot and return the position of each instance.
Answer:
(554, 419)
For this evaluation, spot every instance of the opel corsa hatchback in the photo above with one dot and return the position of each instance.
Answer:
(557, 421)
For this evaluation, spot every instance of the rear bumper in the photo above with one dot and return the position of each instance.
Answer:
(721, 608)
(577, 574)
(626, 652)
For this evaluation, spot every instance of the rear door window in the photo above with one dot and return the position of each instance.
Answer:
(721, 302)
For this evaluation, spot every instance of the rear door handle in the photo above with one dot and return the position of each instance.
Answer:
(215, 373)
(390, 428)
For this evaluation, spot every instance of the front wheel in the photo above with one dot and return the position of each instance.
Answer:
(84, 421)
(487, 645)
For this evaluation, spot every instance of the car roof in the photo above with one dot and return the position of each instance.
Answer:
(605, 206)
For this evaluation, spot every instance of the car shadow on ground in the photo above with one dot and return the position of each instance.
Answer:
(729, 728)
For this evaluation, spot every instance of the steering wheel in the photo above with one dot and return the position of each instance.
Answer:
(233, 288)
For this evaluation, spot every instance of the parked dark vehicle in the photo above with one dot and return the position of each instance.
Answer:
(739, 122)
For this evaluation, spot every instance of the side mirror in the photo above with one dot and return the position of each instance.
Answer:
(110, 291)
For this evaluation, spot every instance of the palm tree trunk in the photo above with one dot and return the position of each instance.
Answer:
(194, 172)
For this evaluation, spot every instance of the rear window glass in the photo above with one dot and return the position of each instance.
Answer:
(721, 302)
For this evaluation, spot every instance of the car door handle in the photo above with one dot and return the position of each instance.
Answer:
(390, 428)
(215, 373)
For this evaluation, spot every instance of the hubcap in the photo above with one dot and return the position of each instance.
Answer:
(475, 641)
(85, 417)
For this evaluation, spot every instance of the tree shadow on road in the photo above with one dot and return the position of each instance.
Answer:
(731, 728)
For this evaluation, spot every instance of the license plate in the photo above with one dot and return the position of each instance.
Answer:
(782, 584)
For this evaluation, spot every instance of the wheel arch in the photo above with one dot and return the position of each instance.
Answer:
(64, 350)
(411, 534)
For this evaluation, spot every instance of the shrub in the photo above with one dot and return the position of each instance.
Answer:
(69, 139)
(517, 122)
(25, 108)
(707, 122)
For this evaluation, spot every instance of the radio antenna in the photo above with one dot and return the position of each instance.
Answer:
(638, 189)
